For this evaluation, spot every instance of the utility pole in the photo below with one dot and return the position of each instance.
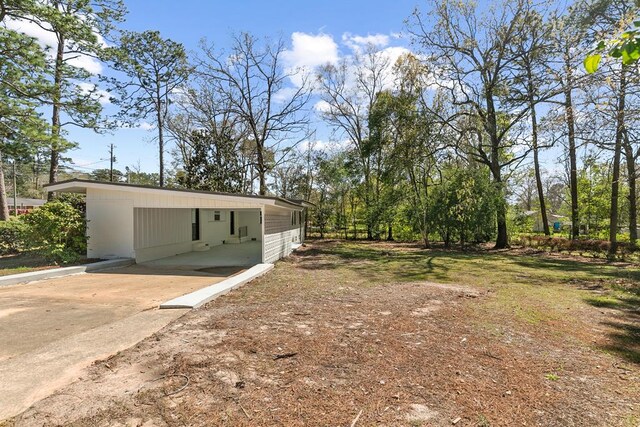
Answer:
(15, 190)
(111, 160)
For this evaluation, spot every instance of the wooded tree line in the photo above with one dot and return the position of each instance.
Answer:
(449, 142)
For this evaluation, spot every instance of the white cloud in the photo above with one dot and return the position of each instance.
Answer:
(309, 51)
(146, 126)
(356, 42)
(102, 96)
(48, 41)
(321, 145)
(284, 94)
(322, 106)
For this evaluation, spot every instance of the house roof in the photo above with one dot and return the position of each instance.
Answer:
(22, 201)
(80, 185)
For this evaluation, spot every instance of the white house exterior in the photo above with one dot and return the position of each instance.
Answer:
(149, 223)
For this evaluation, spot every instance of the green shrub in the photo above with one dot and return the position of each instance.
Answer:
(11, 236)
(56, 231)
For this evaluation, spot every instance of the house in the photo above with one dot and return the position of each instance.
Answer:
(24, 205)
(151, 223)
(557, 223)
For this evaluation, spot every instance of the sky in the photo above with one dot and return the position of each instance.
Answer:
(316, 32)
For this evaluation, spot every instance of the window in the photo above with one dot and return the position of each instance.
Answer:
(195, 224)
(232, 223)
(215, 216)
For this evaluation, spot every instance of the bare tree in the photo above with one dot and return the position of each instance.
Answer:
(349, 91)
(210, 140)
(475, 58)
(260, 92)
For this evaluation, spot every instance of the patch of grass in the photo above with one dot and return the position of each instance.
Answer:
(537, 290)
(16, 270)
(552, 377)
(483, 421)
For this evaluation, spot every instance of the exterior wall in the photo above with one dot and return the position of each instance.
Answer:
(214, 232)
(279, 233)
(150, 198)
(142, 224)
(160, 233)
(252, 220)
(109, 228)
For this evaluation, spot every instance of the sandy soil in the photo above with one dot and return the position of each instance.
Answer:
(318, 343)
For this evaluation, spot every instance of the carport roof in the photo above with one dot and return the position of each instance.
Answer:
(80, 186)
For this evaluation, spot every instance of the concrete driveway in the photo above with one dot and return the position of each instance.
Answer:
(52, 329)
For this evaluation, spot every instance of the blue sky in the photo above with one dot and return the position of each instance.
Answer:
(315, 24)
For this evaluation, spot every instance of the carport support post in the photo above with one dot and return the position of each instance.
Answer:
(262, 230)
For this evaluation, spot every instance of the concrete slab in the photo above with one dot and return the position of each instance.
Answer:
(14, 279)
(52, 329)
(239, 254)
(34, 315)
(26, 379)
(204, 295)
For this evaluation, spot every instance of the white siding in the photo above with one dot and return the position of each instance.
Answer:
(160, 233)
(147, 224)
(158, 227)
(110, 229)
(279, 233)
(145, 198)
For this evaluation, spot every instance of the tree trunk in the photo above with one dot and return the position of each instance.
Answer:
(633, 208)
(615, 179)
(502, 239)
(390, 233)
(573, 164)
(536, 162)
(261, 170)
(55, 115)
(161, 149)
(4, 203)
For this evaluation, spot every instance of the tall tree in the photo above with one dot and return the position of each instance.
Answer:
(349, 91)
(534, 86)
(79, 28)
(156, 68)
(475, 58)
(23, 86)
(260, 91)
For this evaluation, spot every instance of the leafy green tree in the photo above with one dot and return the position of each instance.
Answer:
(349, 91)
(23, 85)
(104, 175)
(79, 28)
(212, 163)
(624, 47)
(57, 231)
(474, 53)
(155, 68)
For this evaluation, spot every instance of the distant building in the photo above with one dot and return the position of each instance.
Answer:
(25, 205)
(557, 223)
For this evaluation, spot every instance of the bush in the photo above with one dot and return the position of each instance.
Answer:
(11, 236)
(56, 231)
(593, 247)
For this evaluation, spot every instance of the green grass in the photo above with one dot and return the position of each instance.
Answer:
(536, 290)
(22, 263)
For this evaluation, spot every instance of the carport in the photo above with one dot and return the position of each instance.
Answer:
(175, 227)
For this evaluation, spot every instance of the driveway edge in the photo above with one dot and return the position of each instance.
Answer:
(202, 296)
(33, 276)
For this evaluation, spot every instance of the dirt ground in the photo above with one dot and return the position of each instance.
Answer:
(383, 334)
